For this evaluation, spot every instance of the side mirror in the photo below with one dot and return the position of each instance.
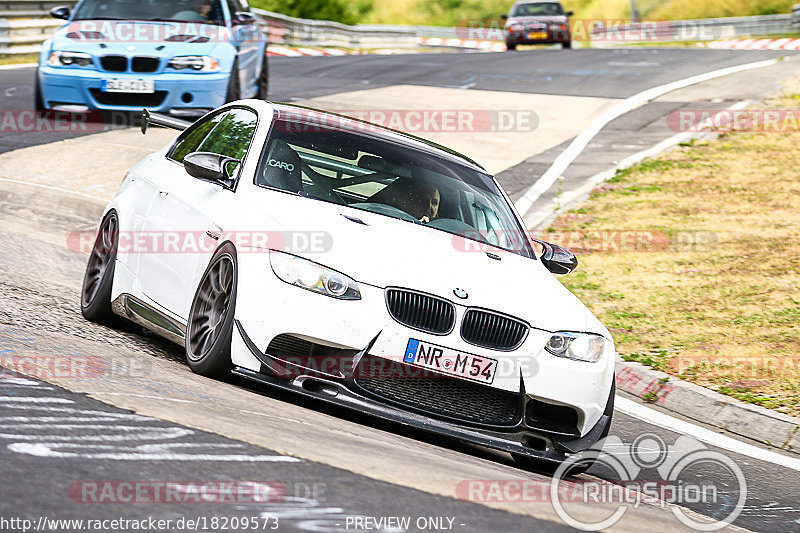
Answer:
(557, 259)
(244, 17)
(504, 17)
(210, 167)
(60, 12)
(569, 13)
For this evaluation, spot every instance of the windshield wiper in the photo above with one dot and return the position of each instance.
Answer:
(180, 20)
(102, 18)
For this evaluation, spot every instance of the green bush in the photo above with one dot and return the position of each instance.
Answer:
(344, 11)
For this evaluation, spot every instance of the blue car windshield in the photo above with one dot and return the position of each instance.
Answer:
(348, 166)
(201, 11)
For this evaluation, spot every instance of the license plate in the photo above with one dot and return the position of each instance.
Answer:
(128, 86)
(449, 361)
(537, 35)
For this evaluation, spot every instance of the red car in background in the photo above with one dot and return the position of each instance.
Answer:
(537, 22)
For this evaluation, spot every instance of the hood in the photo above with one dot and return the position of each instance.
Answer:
(385, 252)
(157, 39)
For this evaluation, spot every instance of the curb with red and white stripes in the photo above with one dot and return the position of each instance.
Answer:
(483, 46)
(285, 51)
(756, 44)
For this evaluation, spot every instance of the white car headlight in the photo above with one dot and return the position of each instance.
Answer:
(578, 346)
(68, 59)
(313, 277)
(196, 63)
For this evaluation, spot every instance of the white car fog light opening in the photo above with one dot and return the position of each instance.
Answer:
(313, 276)
(577, 346)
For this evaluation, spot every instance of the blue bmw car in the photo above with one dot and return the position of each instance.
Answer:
(182, 57)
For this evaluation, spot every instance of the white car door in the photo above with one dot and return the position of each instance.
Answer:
(185, 221)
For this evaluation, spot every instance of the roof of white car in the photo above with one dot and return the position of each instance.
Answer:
(349, 124)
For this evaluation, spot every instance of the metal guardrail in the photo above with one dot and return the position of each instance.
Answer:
(303, 32)
(24, 25)
(698, 29)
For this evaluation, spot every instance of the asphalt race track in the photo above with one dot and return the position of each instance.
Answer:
(144, 417)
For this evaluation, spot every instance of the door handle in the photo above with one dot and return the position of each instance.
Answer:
(163, 194)
(214, 234)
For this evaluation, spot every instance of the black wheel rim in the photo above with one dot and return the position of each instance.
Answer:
(210, 308)
(100, 260)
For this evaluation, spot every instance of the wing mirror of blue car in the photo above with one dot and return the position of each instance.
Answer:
(214, 168)
(243, 17)
(557, 259)
(60, 12)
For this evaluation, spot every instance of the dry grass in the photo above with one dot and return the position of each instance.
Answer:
(716, 299)
(18, 59)
(437, 13)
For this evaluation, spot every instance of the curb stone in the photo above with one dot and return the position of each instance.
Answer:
(703, 405)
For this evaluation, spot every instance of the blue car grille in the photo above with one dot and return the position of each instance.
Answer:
(145, 64)
(114, 63)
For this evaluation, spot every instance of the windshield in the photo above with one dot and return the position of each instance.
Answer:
(363, 172)
(204, 11)
(537, 10)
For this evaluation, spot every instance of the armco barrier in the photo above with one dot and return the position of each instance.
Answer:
(701, 29)
(24, 24)
(303, 32)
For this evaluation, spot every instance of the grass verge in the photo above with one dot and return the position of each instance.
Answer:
(692, 260)
(18, 59)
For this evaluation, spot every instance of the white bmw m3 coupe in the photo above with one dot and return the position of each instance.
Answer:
(360, 266)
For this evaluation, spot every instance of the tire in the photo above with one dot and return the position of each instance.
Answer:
(210, 327)
(99, 277)
(510, 47)
(38, 100)
(263, 78)
(529, 463)
(234, 90)
(567, 45)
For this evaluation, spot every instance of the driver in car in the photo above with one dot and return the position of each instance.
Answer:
(201, 11)
(421, 201)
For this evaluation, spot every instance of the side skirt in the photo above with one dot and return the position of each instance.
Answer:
(148, 317)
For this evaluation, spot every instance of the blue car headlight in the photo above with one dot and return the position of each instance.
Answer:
(576, 346)
(194, 63)
(313, 276)
(69, 59)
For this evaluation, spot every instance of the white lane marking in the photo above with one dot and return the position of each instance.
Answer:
(656, 418)
(36, 437)
(580, 142)
(22, 386)
(20, 65)
(25, 399)
(51, 419)
(144, 433)
(45, 450)
(53, 188)
(562, 203)
(18, 381)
